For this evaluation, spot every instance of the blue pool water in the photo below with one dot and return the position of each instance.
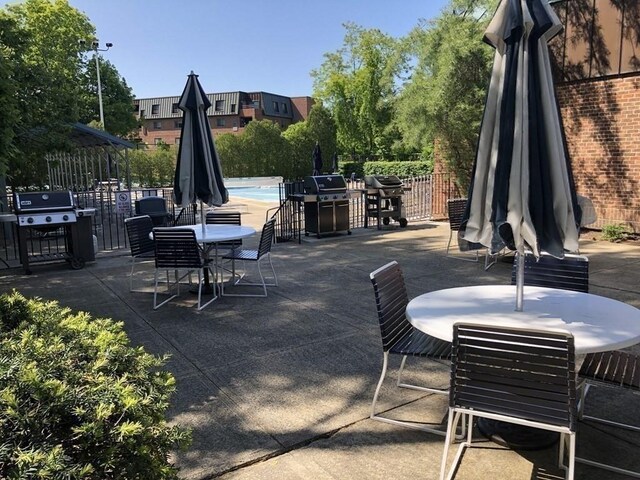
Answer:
(264, 194)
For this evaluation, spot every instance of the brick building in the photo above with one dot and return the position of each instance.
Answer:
(230, 112)
(598, 90)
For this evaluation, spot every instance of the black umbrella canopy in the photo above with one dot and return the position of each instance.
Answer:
(317, 160)
(522, 193)
(198, 172)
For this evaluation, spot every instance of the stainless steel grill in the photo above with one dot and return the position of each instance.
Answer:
(43, 218)
(384, 200)
(326, 205)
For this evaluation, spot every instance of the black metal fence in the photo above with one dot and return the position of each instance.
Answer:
(424, 199)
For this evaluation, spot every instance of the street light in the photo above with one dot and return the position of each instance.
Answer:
(95, 46)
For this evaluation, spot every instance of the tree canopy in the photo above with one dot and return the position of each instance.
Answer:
(45, 82)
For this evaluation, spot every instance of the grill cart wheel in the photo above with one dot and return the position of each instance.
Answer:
(77, 263)
(385, 220)
(403, 222)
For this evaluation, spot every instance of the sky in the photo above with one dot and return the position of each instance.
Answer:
(248, 45)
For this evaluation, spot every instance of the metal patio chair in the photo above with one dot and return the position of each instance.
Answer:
(178, 250)
(225, 218)
(569, 273)
(455, 212)
(262, 253)
(524, 377)
(141, 245)
(399, 337)
(615, 369)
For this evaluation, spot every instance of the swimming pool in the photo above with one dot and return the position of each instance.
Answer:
(263, 194)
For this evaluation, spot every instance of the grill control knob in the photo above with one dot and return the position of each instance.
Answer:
(65, 217)
(48, 219)
(335, 197)
(30, 220)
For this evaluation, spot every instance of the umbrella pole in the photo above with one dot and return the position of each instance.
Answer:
(202, 219)
(520, 280)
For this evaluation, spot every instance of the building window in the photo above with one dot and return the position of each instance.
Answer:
(174, 108)
(256, 104)
(157, 125)
(136, 108)
(142, 113)
(233, 108)
(275, 107)
(177, 124)
(220, 122)
(158, 141)
(235, 123)
(155, 109)
(177, 140)
(219, 105)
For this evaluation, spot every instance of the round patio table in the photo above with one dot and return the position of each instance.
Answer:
(598, 324)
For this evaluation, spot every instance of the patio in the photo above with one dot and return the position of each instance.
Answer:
(280, 387)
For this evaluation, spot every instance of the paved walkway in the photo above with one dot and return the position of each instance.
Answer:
(280, 387)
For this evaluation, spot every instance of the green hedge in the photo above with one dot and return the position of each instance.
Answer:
(77, 400)
(401, 169)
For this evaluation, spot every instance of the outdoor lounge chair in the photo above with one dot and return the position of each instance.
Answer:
(140, 243)
(177, 249)
(540, 393)
(262, 253)
(569, 273)
(399, 337)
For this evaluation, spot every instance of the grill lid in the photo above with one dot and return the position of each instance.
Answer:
(325, 183)
(24, 202)
(382, 181)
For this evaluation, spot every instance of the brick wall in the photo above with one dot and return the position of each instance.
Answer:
(602, 126)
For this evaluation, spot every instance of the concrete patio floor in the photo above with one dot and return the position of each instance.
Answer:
(280, 387)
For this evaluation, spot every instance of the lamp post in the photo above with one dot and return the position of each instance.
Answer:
(95, 46)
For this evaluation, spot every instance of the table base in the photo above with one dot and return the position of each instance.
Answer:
(207, 289)
(516, 437)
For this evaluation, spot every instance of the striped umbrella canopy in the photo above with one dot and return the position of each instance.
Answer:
(522, 193)
(198, 174)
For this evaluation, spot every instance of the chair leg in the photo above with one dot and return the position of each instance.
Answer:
(452, 426)
(456, 257)
(582, 416)
(442, 391)
(157, 305)
(215, 296)
(570, 467)
(133, 264)
(403, 423)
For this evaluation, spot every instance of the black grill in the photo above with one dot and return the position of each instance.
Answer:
(384, 200)
(326, 205)
(51, 228)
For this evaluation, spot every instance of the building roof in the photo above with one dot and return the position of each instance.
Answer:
(86, 136)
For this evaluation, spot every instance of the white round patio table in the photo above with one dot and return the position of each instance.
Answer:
(597, 323)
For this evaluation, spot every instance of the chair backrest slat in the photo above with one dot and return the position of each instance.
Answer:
(391, 303)
(569, 273)
(266, 238)
(225, 218)
(177, 248)
(522, 373)
(455, 211)
(138, 231)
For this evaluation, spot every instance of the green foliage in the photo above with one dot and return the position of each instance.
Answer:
(614, 233)
(400, 169)
(357, 85)
(77, 401)
(153, 168)
(443, 102)
(45, 85)
(347, 168)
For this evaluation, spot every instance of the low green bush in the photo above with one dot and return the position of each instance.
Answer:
(400, 169)
(613, 233)
(77, 400)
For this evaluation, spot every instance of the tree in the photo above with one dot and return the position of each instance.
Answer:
(444, 100)
(264, 149)
(117, 99)
(229, 146)
(48, 84)
(357, 85)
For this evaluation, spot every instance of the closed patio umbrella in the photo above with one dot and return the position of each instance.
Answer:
(522, 193)
(334, 162)
(317, 160)
(198, 173)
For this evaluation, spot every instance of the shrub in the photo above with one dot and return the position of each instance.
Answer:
(613, 233)
(77, 400)
(401, 169)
